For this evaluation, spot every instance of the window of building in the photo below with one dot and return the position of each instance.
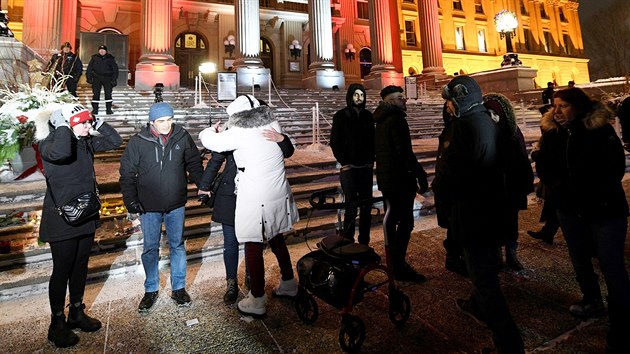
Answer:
(547, 41)
(563, 18)
(568, 45)
(410, 34)
(543, 12)
(459, 38)
(478, 7)
(363, 11)
(527, 35)
(457, 5)
(481, 40)
(524, 11)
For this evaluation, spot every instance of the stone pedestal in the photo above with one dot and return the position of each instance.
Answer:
(148, 74)
(248, 77)
(380, 79)
(325, 79)
(508, 80)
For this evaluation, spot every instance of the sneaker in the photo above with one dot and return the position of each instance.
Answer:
(406, 273)
(253, 306)
(147, 301)
(541, 236)
(466, 307)
(588, 308)
(286, 288)
(181, 297)
(231, 292)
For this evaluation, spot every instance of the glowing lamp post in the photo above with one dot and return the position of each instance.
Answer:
(506, 23)
(204, 68)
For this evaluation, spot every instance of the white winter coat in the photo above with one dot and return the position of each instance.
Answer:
(264, 202)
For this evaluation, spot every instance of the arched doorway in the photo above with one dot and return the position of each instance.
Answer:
(190, 51)
(365, 59)
(266, 54)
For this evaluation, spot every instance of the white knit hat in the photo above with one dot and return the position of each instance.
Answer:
(242, 103)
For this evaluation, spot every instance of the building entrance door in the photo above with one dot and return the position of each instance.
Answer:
(190, 51)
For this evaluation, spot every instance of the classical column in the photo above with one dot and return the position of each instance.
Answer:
(69, 23)
(42, 26)
(383, 71)
(430, 38)
(247, 18)
(156, 61)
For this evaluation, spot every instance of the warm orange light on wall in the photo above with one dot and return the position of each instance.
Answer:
(157, 25)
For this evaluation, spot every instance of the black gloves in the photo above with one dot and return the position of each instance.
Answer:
(135, 208)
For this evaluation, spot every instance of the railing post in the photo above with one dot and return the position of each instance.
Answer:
(269, 86)
(317, 120)
(196, 88)
(313, 123)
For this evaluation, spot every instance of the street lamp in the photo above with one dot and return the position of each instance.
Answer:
(295, 48)
(349, 51)
(506, 23)
(204, 68)
(230, 44)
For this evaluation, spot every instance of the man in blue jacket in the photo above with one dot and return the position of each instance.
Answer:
(154, 184)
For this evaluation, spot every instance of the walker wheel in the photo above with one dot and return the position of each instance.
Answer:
(351, 333)
(306, 306)
(399, 307)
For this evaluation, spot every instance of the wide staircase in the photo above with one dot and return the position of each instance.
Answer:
(118, 241)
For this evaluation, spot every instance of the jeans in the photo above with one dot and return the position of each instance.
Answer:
(230, 251)
(357, 184)
(398, 224)
(604, 236)
(152, 230)
(483, 268)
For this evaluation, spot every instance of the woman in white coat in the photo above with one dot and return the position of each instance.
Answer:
(264, 204)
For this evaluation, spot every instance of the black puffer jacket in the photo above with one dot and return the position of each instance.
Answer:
(397, 169)
(155, 175)
(69, 166)
(352, 133)
(103, 67)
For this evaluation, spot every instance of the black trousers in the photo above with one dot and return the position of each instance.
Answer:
(97, 84)
(398, 224)
(71, 85)
(70, 265)
(357, 184)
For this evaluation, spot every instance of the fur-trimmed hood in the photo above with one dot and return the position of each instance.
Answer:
(252, 118)
(598, 117)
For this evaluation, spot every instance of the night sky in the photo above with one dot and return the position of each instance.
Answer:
(587, 7)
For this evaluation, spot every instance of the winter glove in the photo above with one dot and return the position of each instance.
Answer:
(57, 120)
(135, 208)
(423, 184)
(98, 121)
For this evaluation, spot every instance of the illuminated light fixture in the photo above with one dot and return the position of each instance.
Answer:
(207, 68)
(295, 48)
(506, 24)
(230, 44)
(350, 51)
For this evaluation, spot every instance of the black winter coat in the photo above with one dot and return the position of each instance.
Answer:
(69, 167)
(397, 169)
(102, 67)
(352, 133)
(442, 197)
(67, 64)
(155, 175)
(225, 200)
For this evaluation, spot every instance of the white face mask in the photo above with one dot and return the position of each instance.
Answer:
(358, 97)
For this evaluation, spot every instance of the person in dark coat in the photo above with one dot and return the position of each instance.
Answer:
(66, 64)
(68, 158)
(623, 113)
(519, 176)
(154, 184)
(352, 143)
(102, 72)
(399, 176)
(475, 178)
(547, 94)
(592, 208)
(225, 205)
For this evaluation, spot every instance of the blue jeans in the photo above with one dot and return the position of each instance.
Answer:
(230, 251)
(605, 238)
(152, 231)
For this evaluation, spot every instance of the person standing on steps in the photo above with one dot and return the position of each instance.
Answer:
(154, 184)
(352, 143)
(68, 158)
(102, 72)
(66, 64)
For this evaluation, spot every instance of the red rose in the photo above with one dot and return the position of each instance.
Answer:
(22, 119)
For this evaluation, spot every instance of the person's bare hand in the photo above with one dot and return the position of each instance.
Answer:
(272, 135)
(217, 127)
(200, 192)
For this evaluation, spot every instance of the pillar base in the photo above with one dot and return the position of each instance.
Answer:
(150, 73)
(248, 77)
(325, 79)
(380, 79)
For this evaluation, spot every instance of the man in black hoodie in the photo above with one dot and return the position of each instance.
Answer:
(399, 176)
(352, 143)
(102, 71)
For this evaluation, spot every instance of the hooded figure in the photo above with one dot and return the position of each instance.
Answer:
(352, 143)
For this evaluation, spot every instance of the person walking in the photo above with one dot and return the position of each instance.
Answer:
(352, 143)
(265, 207)
(102, 72)
(65, 66)
(154, 184)
(591, 206)
(475, 169)
(399, 176)
(68, 158)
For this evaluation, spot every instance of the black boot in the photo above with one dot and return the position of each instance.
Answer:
(456, 265)
(78, 319)
(59, 333)
(94, 108)
(617, 340)
(511, 259)
(231, 292)
(108, 106)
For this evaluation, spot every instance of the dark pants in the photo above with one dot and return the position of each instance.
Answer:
(397, 225)
(256, 264)
(71, 85)
(357, 186)
(70, 266)
(511, 224)
(483, 268)
(453, 248)
(97, 84)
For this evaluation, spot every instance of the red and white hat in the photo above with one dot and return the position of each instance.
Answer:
(76, 114)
